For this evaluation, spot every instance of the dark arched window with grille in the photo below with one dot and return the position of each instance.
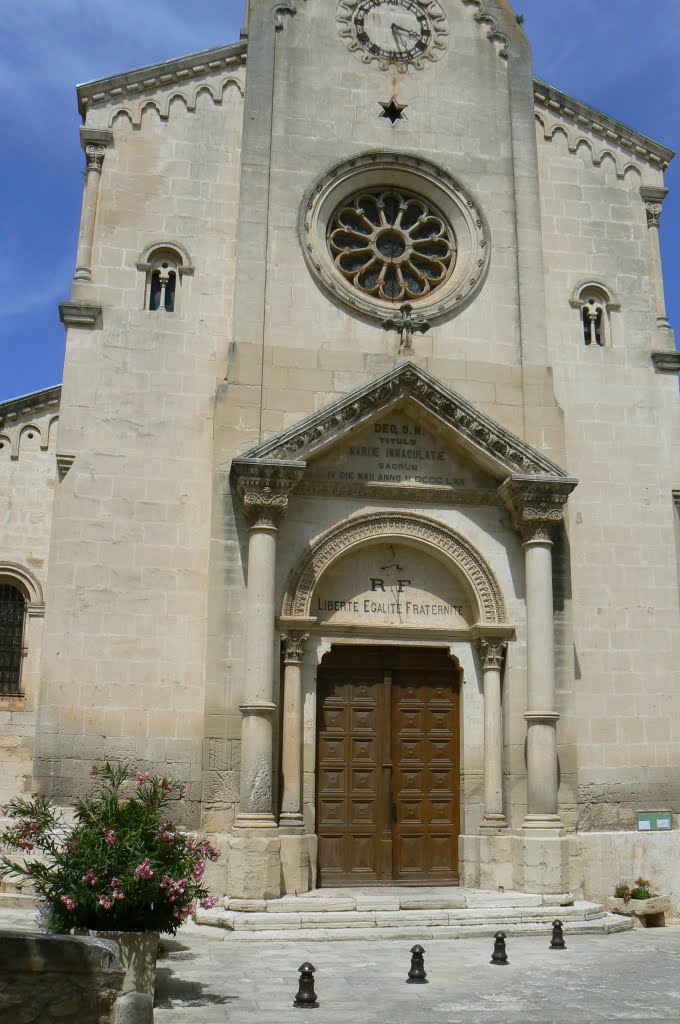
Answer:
(12, 610)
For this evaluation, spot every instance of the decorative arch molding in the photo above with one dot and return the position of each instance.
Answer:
(411, 527)
(155, 248)
(492, 22)
(28, 584)
(165, 105)
(599, 151)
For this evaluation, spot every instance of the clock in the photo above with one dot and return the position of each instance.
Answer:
(394, 33)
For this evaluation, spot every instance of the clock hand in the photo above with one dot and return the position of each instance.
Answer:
(399, 31)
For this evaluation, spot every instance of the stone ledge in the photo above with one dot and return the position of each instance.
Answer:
(666, 362)
(79, 314)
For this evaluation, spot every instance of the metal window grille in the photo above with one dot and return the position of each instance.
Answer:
(12, 609)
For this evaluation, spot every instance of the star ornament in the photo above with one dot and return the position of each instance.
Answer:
(393, 111)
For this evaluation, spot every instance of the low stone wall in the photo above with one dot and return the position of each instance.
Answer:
(607, 858)
(57, 979)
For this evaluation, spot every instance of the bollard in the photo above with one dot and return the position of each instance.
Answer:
(499, 956)
(306, 996)
(417, 974)
(557, 941)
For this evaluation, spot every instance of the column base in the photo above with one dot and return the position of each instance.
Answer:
(548, 824)
(492, 823)
(254, 865)
(260, 820)
(542, 862)
(298, 863)
(291, 824)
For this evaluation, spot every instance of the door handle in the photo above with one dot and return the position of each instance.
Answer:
(394, 813)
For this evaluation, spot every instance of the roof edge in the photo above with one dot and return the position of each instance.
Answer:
(166, 73)
(601, 124)
(35, 401)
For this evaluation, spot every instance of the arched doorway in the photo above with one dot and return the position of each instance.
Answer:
(388, 766)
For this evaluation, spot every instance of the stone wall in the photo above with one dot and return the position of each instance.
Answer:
(603, 859)
(45, 979)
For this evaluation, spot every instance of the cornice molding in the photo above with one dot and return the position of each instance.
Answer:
(79, 314)
(580, 115)
(155, 76)
(24, 405)
(408, 380)
(536, 505)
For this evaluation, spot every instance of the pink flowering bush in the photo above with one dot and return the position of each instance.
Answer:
(122, 866)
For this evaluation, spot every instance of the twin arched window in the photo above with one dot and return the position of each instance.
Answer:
(595, 304)
(164, 265)
(12, 615)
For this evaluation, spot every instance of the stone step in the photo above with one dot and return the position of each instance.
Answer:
(381, 901)
(17, 901)
(580, 917)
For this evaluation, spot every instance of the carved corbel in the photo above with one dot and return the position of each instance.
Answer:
(263, 488)
(536, 505)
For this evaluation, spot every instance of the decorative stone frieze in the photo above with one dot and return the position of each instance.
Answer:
(536, 505)
(263, 488)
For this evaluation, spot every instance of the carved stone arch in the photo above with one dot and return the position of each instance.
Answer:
(27, 583)
(415, 529)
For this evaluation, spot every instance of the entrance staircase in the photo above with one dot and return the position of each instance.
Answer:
(405, 913)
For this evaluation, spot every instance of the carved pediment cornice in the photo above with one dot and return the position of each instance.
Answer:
(480, 435)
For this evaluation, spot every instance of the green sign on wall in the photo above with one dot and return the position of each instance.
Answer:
(655, 821)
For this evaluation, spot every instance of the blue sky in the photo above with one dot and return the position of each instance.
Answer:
(618, 55)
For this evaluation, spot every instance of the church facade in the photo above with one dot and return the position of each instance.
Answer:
(358, 506)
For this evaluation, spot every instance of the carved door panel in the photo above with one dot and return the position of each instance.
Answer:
(425, 782)
(351, 805)
(387, 767)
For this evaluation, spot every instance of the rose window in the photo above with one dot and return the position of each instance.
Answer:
(392, 245)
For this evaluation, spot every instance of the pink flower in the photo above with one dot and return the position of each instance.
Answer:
(142, 777)
(118, 895)
(199, 871)
(210, 902)
(105, 902)
(91, 879)
(94, 772)
(115, 882)
(109, 836)
(144, 870)
(69, 903)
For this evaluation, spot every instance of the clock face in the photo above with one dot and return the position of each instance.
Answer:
(393, 32)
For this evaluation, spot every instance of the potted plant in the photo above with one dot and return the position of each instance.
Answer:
(121, 868)
(638, 901)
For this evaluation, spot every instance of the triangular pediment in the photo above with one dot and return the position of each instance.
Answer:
(405, 428)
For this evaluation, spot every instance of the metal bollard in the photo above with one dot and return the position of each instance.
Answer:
(499, 956)
(417, 974)
(557, 941)
(306, 996)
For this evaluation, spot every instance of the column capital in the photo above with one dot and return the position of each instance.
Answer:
(492, 651)
(536, 505)
(263, 488)
(653, 198)
(293, 646)
(94, 142)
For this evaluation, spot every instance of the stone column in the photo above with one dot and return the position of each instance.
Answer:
(492, 652)
(291, 819)
(653, 199)
(537, 506)
(94, 142)
(263, 509)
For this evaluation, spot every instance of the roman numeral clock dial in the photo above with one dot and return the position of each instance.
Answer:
(399, 34)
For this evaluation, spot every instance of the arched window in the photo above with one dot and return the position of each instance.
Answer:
(164, 265)
(12, 615)
(595, 304)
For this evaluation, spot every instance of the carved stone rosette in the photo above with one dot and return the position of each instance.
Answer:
(536, 505)
(293, 646)
(492, 652)
(263, 488)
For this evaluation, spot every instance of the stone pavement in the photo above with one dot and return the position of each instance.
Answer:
(631, 976)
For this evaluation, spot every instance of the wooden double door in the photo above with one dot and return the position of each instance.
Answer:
(388, 767)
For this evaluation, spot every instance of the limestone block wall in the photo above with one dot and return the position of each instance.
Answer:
(601, 860)
(622, 425)
(123, 669)
(28, 473)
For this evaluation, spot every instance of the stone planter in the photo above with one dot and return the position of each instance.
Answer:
(647, 913)
(137, 952)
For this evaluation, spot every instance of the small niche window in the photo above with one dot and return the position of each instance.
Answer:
(595, 304)
(12, 614)
(164, 266)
